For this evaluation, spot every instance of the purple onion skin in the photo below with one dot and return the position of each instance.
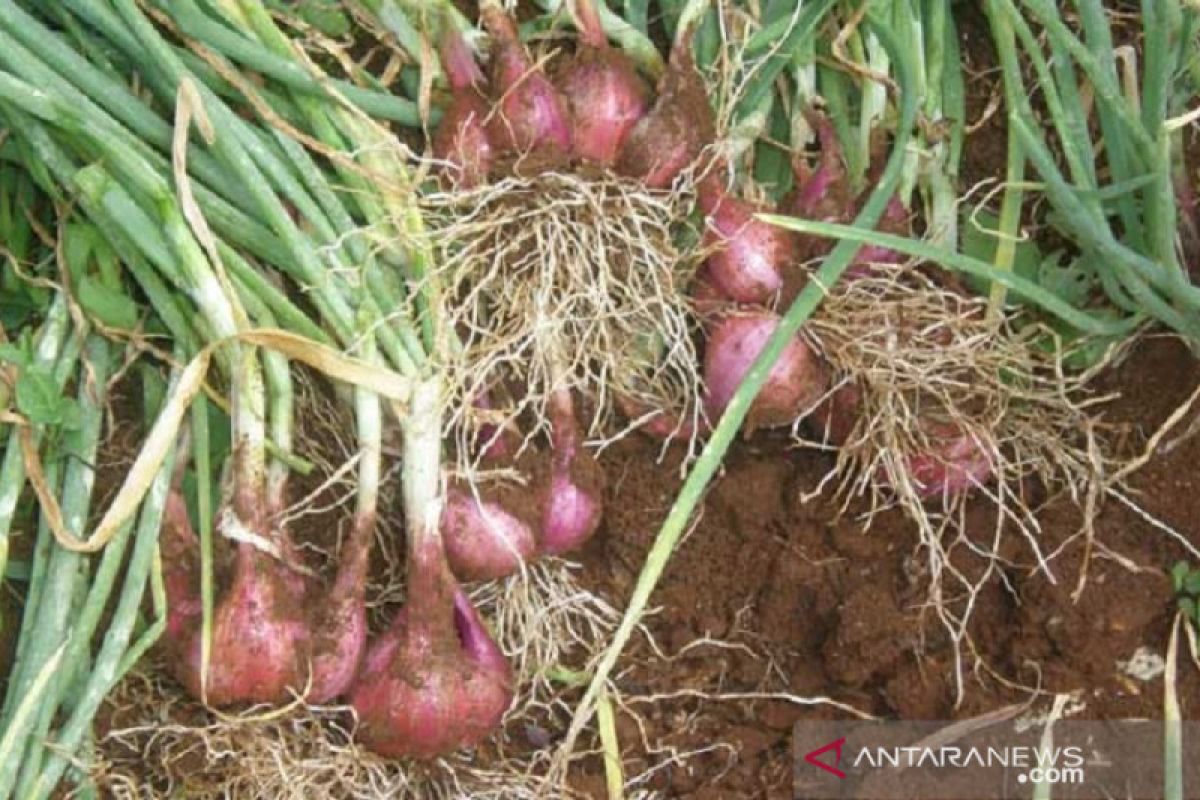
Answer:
(263, 646)
(484, 541)
(339, 642)
(461, 140)
(435, 682)
(573, 504)
(572, 513)
(823, 193)
(260, 639)
(605, 94)
(954, 464)
(795, 382)
(529, 114)
(340, 625)
(674, 132)
(750, 256)
(181, 571)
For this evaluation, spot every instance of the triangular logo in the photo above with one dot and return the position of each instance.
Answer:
(836, 747)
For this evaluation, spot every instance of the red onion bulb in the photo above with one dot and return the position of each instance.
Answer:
(529, 112)
(435, 682)
(796, 381)
(605, 95)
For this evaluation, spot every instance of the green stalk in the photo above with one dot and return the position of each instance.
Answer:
(407, 348)
(804, 75)
(1114, 114)
(204, 507)
(1161, 22)
(1137, 273)
(103, 19)
(289, 73)
(376, 205)
(133, 231)
(373, 199)
(85, 621)
(1059, 88)
(255, 288)
(43, 541)
(873, 105)
(232, 154)
(397, 23)
(945, 104)
(1009, 226)
(835, 88)
(335, 308)
(422, 477)
(710, 458)
(105, 673)
(1097, 62)
(66, 568)
(773, 48)
(158, 598)
(12, 470)
(22, 717)
(97, 96)
(637, 13)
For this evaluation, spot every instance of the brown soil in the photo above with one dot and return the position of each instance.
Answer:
(823, 607)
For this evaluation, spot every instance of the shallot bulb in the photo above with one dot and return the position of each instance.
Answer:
(605, 95)
(749, 255)
(573, 503)
(435, 682)
(529, 113)
(486, 537)
(265, 645)
(795, 383)
(181, 570)
(461, 140)
(955, 462)
(260, 637)
(339, 632)
(675, 131)
(823, 193)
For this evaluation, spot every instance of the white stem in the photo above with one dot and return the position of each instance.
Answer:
(369, 413)
(249, 427)
(279, 380)
(423, 461)
(806, 90)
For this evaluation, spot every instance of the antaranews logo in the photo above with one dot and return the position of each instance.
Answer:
(970, 760)
(835, 747)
